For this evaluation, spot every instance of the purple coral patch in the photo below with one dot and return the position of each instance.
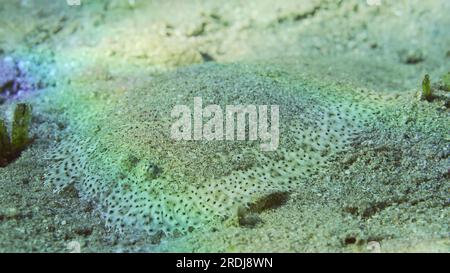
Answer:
(14, 79)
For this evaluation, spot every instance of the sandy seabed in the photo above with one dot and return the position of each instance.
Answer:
(387, 191)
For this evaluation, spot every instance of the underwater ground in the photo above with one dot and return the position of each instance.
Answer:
(362, 163)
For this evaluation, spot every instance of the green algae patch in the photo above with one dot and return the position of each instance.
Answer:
(445, 82)
(5, 144)
(21, 126)
(426, 88)
(12, 146)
